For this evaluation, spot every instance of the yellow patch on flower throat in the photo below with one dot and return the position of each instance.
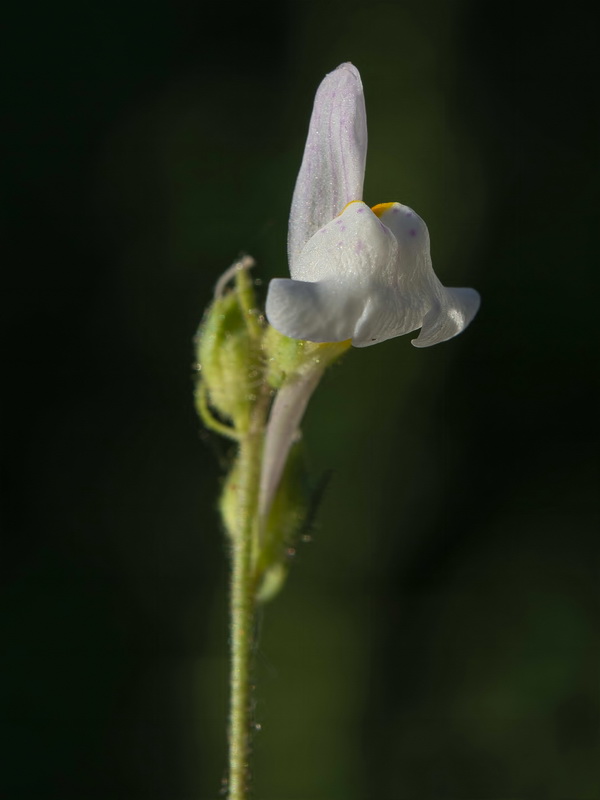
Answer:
(378, 210)
(381, 208)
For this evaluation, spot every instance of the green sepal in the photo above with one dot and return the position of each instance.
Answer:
(285, 357)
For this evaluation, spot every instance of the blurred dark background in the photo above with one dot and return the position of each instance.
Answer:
(438, 638)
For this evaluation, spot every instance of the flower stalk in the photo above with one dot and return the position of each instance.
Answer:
(243, 610)
(254, 388)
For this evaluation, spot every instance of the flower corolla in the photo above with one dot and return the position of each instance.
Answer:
(357, 273)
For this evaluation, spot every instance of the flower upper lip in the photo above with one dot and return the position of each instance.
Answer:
(333, 167)
(356, 273)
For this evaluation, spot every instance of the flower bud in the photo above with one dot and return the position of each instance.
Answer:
(229, 361)
(286, 519)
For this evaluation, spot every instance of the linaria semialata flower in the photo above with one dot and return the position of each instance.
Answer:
(356, 273)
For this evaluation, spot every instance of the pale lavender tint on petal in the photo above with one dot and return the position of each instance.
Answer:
(333, 167)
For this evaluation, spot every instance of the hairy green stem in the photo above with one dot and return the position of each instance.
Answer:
(242, 611)
(243, 603)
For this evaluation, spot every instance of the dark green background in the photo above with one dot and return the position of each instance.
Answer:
(438, 638)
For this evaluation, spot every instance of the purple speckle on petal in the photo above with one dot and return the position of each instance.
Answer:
(359, 247)
(338, 222)
(322, 230)
(360, 210)
(395, 210)
(382, 226)
(413, 232)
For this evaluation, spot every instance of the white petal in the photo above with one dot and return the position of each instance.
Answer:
(364, 281)
(354, 248)
(340, 267)
(368, 278)
(400, 297)
(444, 312)
(449, 318)
(317, 312)
(333, 166)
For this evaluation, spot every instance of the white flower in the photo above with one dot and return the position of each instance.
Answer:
(356, 273)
